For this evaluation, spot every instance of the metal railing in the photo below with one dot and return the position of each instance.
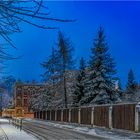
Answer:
(17, 122)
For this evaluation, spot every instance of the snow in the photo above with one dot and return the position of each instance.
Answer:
(81, 129)
(13, 133)
(105, 133)
(3, 121)
(91, 132)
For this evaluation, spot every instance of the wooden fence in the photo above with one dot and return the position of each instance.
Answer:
(53, 115)
(123, 117)
(74, 115)
(101, 116)
(120, 116)
(48, 115)
(66, 115)
(85, 114)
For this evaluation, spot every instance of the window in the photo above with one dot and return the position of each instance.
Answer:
(25, 102)
(19, 91)
(18, 103)
(25, 92)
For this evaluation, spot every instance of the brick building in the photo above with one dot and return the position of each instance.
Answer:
(22, 94)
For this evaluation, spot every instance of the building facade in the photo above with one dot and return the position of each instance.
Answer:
(22, 95)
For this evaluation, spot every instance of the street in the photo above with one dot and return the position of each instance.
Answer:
(54, 133)
(35, 130)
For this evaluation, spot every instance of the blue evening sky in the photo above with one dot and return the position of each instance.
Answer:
(121, 22)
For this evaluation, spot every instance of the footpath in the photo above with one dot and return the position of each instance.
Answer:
(10, 132)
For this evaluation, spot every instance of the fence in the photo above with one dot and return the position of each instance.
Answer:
(119, 116)
(123, 117)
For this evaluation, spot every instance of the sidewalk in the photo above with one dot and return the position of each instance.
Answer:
(10, 132)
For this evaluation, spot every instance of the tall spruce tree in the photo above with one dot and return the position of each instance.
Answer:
(52, 74)
(66, 51)
(99, 86)
(131, 86)
(52, 66)
(56, 68)
(79, 84)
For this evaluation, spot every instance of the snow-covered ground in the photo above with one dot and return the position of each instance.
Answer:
(15, 134)
(12, 132)
(105, 133)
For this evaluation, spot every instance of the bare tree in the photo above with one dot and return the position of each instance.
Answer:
(12, 12)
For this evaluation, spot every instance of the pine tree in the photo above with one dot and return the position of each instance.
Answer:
(57, 67)
(131, 86)
(66, 51)
(53, 72)
(99, 82)
(51, 66)
(79, 85)
(40, 100)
